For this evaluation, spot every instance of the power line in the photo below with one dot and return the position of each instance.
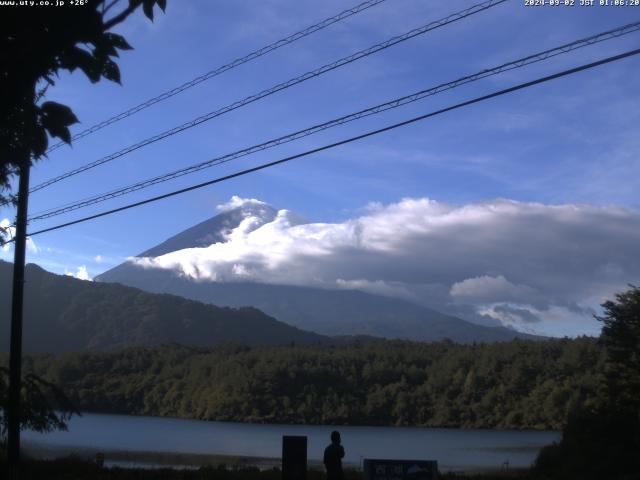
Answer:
(348, 140)
(279, 87)
(214, 73)
(530, 59)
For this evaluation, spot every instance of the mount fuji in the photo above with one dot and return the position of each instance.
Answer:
(238, 258)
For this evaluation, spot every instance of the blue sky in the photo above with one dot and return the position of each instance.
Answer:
(570, 142)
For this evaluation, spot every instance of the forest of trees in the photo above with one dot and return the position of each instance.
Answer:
(518, 384)
(64, 314)
(602, 439)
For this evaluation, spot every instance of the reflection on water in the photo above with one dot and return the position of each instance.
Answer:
(168, 441)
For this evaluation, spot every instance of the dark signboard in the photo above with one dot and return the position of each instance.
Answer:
(294, 457)
(400, 469)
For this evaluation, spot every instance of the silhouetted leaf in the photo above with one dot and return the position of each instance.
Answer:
(55, 119)
(59, 131)
(162, 4)
(118, 41)
(110, 71)
(59, 113)
(147, 7)
(105, 48)
(79, 58)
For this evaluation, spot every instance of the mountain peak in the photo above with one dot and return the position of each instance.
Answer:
(245, 204)
(249, 214)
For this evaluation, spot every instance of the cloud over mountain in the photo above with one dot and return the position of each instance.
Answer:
(81, 274)
(8, 232)
(522, 264)
(238, 202)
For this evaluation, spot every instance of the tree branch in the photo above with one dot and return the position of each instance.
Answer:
(105, 9)
(121, 16)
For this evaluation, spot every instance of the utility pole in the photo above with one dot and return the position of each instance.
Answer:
(15, 352)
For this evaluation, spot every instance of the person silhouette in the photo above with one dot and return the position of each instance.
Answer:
(333, 456)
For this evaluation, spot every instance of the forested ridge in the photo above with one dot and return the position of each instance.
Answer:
(63, 314)
(517, 384)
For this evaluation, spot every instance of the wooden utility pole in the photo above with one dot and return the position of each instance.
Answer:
(15, 352)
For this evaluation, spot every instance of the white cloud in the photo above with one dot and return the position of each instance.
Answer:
(528, 255)
(98, 258)
(81, 273)
(510, 315)
(487, 289)
(237, 202)
(8, 232)
(379, 287)
(554, 321)
(31, 246)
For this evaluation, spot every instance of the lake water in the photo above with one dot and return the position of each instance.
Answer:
(129, 440)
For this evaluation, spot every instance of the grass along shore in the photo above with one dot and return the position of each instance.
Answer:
(76, 468)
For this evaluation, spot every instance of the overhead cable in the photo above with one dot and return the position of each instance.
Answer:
(217, 71)
(520, 86)
(519, 63)
(277, 88)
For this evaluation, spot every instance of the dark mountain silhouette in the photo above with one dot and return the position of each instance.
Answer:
(62, 313)
(327, 312)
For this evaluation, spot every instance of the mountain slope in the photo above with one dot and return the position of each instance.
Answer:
(327, 312)
(65, 314)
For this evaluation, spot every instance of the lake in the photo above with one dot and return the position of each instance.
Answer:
(152, 441)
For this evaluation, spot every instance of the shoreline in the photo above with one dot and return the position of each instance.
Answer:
(80, 468)
(147, 459)
(151, 460)
(350, 425)
(155, 442)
